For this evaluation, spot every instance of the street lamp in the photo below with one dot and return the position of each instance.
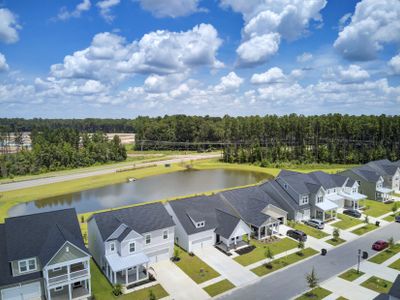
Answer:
(359, 260)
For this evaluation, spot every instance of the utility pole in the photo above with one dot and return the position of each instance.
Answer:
(359, 260)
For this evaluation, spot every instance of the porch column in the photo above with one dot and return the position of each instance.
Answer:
(69, 292)
(126, 276)
(115, 277)
(259, 232)
(137, 272)
(323, 215)
(89, 286)
(147, 273)
(48, 293)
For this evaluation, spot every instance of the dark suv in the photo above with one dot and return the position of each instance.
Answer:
(297, 235)
(352, 213)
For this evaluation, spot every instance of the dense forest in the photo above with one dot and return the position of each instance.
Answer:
(82, 125)
(270, 139)
(58, 149)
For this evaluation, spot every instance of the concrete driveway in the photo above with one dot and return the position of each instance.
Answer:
(178, 285)
(290, 282)
(226, 266)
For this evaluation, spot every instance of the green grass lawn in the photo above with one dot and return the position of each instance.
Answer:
(315, 294)
(377, 284)
(195, 268)
(346, 222)
(283, 262)
(351, 275)
(395, 265)
(102, 289)
(335, 242)
(376, 208)
(390, 218)
(319, 234)
(385, 255)
(364, 229)
(219, 287)
(259, 252)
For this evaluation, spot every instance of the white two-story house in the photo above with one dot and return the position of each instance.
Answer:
(125, 242)
(44, 256)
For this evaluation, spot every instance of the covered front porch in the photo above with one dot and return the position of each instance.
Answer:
(384, 194)
(127, 270)
(76, 291)
(326, 210)
(354, 200)
(266, 230)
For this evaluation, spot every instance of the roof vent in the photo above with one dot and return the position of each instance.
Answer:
(67, 249)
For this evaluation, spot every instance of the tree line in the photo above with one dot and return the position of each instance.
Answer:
(332, 138)
(82, 125)
(62, 148)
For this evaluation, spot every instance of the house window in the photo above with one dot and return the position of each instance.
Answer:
(286, 186)
(320, 199)
(27, 265)
(112, 247)
(304, 200)
(132, 247)
(148, 239)
(354, 190)
(334, 190)
(165, 234)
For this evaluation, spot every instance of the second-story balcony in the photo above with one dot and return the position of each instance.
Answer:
(67, 274)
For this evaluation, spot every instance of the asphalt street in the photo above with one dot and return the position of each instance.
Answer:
(289, 282)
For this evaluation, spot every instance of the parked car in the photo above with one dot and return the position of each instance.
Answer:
(297, 235)
(352, 213)
(315, 223)
(380, 245)
(397, 219)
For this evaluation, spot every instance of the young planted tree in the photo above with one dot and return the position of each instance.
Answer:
(300, 246)
(366, 220)
(391, 242)
(270, 255)
(395, 207)
(336, 234)
(312, 281)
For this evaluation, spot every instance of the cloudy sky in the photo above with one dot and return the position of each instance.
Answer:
(123, 58)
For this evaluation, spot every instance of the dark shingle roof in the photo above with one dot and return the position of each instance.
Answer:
(38, 235)
(142, 219)
(205, 208)
(395, 289)
(383, 167)
(249, 203)
(367, 173)
(226, 223)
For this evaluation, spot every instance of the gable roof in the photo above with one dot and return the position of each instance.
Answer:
(249, 203)
(142, 219)
(204, 208)
(384, 167)
(226, 223)
(367, 173)
(37, 235)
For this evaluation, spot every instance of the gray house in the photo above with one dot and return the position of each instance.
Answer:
(44, 256)
(371, 182)
(206, 221)
(257, 209)
(125, 242)
(390, 171)
(312, 195)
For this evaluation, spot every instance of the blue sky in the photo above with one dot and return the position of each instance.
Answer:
(123, 58)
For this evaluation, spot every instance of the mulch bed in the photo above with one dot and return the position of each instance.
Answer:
(245, 250)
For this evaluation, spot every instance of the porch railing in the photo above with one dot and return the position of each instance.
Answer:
(67, 277)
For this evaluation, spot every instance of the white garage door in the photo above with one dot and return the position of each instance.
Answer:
(200, 243)
(159, 255)
(31, 291)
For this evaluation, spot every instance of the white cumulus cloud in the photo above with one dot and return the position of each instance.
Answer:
(394, 64)
(3, 63)
(273, 75)
(229, 83)
(305, 57)
(171, 8)
(373, 24)
(105, 7)
(269, 21)
(64, 14)
(9, 26)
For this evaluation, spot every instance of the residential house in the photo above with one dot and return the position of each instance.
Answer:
(371, 182)
(390, 171)
(257, 209)
(44, 256)
(206, 221)
(312, 195)
(125, 242)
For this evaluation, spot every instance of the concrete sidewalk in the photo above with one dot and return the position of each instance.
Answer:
(178, 285)
(227, 267)
(348, 289)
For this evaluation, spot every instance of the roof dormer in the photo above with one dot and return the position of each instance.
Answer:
(197, 218)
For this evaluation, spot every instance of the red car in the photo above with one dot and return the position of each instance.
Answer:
(380, 245)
